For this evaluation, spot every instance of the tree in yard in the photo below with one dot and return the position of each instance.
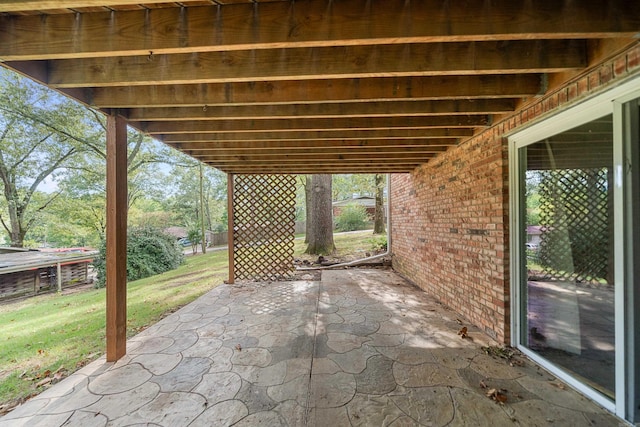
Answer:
(307, 204)
(195, 237)
(40, 135)
(378, 225)
(321, 236)
(47, 137)
(185, 198)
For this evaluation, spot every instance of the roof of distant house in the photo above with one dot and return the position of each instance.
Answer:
(366, 201)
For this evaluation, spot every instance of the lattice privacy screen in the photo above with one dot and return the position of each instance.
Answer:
(575, 208)
(264, 221)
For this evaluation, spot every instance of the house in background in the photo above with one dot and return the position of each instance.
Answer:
(533, 235)
(367, 202)
(27, 272)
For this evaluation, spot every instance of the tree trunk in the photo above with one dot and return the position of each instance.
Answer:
(307, 207)
(378, 226)
(321, 238)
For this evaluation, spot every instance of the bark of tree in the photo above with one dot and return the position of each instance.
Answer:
(307, 205)
(321, 238)
(378, 226)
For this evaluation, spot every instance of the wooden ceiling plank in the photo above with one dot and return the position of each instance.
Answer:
(326, 159)
(432, 144)
(432, 59)
(312, 152)
(320, 91)
(348, 109)
(21, 5)
(302, 24)
(301, 170)
(277, 125)
(324, 135)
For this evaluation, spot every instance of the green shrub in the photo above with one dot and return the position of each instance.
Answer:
(150, 251)
(379, 243)
(352, 217)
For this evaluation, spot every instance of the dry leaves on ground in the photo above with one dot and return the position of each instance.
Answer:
(463, 332)
(497, 395)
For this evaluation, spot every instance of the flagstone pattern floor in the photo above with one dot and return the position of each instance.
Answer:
(358, 348)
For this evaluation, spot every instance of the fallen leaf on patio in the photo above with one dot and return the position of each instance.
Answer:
(559, 385)
(238, 347)
(500, 398)
(463, 332)
(459, 321)
(495, 395)
(44, 382)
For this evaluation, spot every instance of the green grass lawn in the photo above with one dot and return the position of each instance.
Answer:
(60, 333)
(64, 332)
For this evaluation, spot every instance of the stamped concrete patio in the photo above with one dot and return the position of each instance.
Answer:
(360, 347)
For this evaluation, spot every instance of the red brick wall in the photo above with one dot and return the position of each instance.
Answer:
(450, 224)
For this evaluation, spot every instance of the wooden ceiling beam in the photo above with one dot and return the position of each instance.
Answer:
(310, 23)
(452, 134)
(320, 91)
(28, 5)
(431, 59)
(302, 170)
(302, 111)
(383, 144)
(327, 160)
(311, 153)
(278, 125)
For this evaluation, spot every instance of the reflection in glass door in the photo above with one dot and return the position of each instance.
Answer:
(567, 301)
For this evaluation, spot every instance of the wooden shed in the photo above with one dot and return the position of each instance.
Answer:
(25, 272)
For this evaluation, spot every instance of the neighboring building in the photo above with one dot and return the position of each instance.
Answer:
(369, 203)
(25, 272)
(533, 234)
(213, 239)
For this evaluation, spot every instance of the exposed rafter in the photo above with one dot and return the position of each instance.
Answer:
(341, 62)
(307, 111)
(320, 91)
(311, 23)
(336, 124)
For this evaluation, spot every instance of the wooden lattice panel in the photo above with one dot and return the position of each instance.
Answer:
(263, 226)
(575, 208)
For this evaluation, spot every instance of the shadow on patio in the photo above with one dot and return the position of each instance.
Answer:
(361, 347)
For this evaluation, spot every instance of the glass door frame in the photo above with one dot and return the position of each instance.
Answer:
(614, 101)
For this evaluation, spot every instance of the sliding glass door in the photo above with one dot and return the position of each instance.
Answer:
(575, 214)
(568, 312)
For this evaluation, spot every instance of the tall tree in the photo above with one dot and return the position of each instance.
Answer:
(47, 137)
(184, 200)
(321, 238)
(378, 224)
(308, 210)
(33, 148)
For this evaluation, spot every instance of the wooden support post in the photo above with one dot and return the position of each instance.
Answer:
(116, 271)
(59, 276)
(230, 227)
